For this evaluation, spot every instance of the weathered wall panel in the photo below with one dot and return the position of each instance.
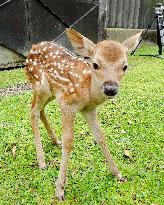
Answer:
(25, 22)
(128, 13)
(13, 30)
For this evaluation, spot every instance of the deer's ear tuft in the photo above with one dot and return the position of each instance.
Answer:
(132, 42)
(81, 44)
(75, 38)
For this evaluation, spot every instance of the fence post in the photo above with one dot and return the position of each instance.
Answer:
(102, 21)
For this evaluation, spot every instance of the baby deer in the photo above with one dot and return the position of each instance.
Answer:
(78, 85)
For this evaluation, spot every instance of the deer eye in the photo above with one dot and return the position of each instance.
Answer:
(125, 68)
(95, 66)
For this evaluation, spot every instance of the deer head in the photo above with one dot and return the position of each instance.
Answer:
(108, 59)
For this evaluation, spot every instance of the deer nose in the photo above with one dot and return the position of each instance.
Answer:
(110, 88)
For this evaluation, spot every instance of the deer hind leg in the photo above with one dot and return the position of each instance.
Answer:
(67, 144)
(92, 121)
(38, 103)
(48, 127)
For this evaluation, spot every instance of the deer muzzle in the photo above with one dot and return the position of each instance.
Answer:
(110, 88)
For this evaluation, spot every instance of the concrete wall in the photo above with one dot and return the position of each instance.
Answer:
(9, 58)
(120, 34)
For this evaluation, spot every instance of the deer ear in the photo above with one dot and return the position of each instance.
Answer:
(81, 44)
(132, 42)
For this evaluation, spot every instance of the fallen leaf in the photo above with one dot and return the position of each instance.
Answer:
(127, 153)
(130, 122)
(123, 131)
(17, 189)
(14, 150)
(161, 167)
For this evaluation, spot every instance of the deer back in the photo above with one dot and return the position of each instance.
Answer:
(64, 72)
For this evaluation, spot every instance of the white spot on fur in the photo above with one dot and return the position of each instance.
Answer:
(43, 78)
(33, 52)
(35, 63)
(30, 68)
(72, 90)
(60, 68)
(57, 52)
(72, 64)
(59, 65)
(36, 76)
(56, 74)
(65, 89)
(84, 71)
(89, 72)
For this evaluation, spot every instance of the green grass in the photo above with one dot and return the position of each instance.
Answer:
(134, 123)
(11, 77)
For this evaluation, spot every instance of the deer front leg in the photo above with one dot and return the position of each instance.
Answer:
(67, 144)
(92, 121)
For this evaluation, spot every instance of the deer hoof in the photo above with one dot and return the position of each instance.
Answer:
(60, 195)
(123, 179)
(42, 165)
(58, 142)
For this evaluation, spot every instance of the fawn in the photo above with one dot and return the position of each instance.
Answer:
(78, 85)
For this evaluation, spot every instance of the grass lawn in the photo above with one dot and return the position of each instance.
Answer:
(11, 77)
(133, 123)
